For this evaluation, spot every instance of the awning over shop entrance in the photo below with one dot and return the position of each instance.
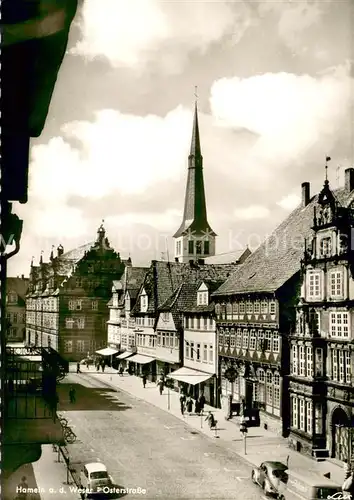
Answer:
(107, 351)
(189, 376)
(124, 355)
(142, 360)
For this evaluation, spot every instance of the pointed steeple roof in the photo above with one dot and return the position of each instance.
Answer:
(195, 143)
(195, 212)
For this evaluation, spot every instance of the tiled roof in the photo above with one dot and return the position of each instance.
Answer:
(18, 285)
(164, 278)
(278, 258)
(228, 257)
(66, 261)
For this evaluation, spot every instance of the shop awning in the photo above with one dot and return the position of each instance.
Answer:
(107, 351)
(142, 360)
(124, 355)
(189, 376)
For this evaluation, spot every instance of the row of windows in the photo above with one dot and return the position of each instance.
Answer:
(144, 321)
(199, 352)
(76, 305)
(168, 339)
(12, 298)
(127, 340)
(199, 323)
(302, 363)
(71, 323)
(340, 366)
(335, 284)
(47, 304)
(258, 307)
(302, 415)
(266, 389)
(249, 339)
(80, 346)
(145, 340)
(15, 317)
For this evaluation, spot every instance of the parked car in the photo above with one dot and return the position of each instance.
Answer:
(271, 476)
(95, 479)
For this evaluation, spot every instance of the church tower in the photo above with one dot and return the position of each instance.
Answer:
(194, 239)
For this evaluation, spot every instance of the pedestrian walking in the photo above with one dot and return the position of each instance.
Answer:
(72, 394)
(182, 402)
(22, 489)
(78, 368)
(121, 371)
(197, 407)
(98, 366)
(144, 380)
(189, 405)
(160, 383)
(201, 402)
(211, 420)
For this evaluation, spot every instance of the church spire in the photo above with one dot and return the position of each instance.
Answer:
(195, 213)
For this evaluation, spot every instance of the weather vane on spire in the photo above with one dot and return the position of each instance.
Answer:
(328, 158)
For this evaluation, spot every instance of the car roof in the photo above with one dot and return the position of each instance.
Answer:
(95, 467)
(275, 465)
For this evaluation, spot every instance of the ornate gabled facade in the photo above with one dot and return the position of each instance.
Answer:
(66, 306)
(256, 308)
(321, 350)
(194, 239)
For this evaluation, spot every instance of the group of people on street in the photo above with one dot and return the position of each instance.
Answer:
(187, 404)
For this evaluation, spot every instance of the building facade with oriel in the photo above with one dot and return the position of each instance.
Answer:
(256, 313)
(321, 350)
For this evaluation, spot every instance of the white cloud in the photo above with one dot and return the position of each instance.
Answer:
(291, 114)
(289, 202)
(161, 221)
(252, 212)
(118, 153)
(130, 33)
(59, 221)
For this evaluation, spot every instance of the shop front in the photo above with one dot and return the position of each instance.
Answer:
(141, 364)
(194, 383)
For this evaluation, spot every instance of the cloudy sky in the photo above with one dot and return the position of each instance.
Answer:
(275, 86)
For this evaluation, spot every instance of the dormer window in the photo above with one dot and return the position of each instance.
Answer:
(143, 303)
(325, 247)
(12, 298)
(202, 298)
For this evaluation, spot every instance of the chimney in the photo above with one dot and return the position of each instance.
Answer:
(305, 193)
(22, 276)
(60, 250)
(349, 179)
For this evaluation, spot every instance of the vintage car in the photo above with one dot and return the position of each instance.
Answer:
(271, 476)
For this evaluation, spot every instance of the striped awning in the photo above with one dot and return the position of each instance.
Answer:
(142, 360)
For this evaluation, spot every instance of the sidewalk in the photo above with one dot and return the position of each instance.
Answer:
(261, 444)
(51, 476)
